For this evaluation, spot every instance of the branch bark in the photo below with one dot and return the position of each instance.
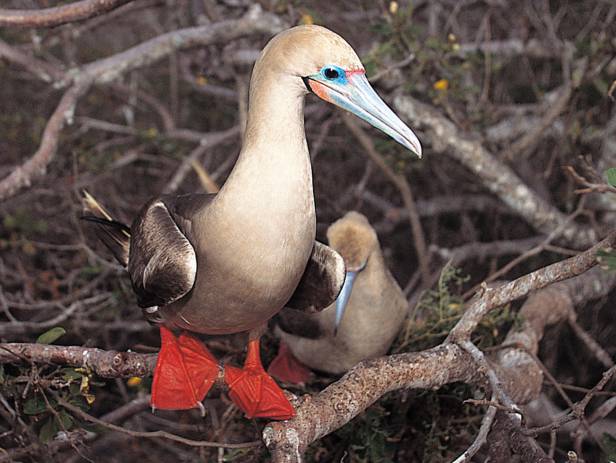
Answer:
(107, 364)
(496, 176)
(55, 16)
(369, 380)
(109, 69)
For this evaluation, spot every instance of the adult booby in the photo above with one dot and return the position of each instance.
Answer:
(226, 263)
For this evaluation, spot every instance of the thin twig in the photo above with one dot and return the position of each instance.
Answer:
(152, 434)
(405, 191)
(486, 424)
(36, 166)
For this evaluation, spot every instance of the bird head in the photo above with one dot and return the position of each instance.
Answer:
(329, 67)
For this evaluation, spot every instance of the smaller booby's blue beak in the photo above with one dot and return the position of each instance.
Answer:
(351, 90)
(343, 297)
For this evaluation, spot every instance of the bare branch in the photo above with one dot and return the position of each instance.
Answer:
(107, 364)
(503, 294)
(108, 69)
(43, 70)
(358, 389)
(57, 15)
(513, 47)
(405, 191)
(152, 434)
(486, 424)
(495, 176)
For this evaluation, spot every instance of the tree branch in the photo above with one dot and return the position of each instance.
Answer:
(495, 175)
(108, 69)
(107, 364)
(55, 16)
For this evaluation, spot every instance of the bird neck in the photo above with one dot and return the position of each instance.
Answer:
(273, 176)
(275, 115)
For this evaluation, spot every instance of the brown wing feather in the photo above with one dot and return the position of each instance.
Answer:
(321, 282)
(162, 262)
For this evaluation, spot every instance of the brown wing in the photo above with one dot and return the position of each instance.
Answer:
(162, 262)
(321, 282)
(299, 323)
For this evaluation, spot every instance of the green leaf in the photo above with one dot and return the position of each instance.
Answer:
(611, 176)
(35, 406)
(48, 337)
(609, 443)
(70, 374)
(65, 420)
(48, 430)
(607, 259)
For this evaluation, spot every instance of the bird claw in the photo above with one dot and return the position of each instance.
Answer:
(254, 391)
(287, 368)
(185, 372)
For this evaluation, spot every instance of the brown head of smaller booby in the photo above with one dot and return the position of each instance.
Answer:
(355, 240)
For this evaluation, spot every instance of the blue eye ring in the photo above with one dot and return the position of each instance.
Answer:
(333, 73)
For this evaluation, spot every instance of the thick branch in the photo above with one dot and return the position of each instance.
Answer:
(57, 15)
(108, 69)
(107, 364)
(503, 294)
(495, 175)
(363, 385)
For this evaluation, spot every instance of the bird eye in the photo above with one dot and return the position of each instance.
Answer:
(331, 73)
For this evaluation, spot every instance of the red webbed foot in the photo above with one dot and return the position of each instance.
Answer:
(287, 368)
(254, 391)
(185, 372)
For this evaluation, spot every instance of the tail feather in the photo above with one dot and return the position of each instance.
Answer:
(115, 235)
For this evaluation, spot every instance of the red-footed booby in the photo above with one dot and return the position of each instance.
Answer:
(362, 324)
(227, 262)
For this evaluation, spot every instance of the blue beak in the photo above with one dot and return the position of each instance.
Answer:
(355, 94)
(343, 297)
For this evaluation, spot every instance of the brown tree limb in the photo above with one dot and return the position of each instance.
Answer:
(369, 380)
(36, 166)
(496, 176)
(107, 364)
(41, 69)
(363, 385)
(503, 294)
(533, 48)
(108, 69)
(55, 16)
